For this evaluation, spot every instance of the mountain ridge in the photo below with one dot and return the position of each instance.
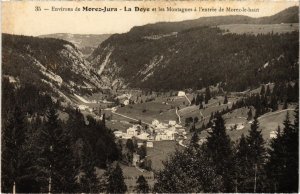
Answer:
(55, 65)
(145, 56)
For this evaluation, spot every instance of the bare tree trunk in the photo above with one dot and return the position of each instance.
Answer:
(49, 189)
(14, 188)
(236, 187)
(255, 170)
(50, 182)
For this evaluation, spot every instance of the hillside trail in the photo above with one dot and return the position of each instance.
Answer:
(271, 114)
(179, 119)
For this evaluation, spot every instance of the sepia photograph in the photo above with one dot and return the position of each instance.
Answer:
(150, 96)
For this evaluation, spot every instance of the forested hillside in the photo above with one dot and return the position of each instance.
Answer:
(48, 63)
(199, 57)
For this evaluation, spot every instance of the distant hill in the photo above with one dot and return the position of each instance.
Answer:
(197, 53)
(86, 43)
(289, 15)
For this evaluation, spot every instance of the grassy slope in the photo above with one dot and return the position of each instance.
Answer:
(260, 28)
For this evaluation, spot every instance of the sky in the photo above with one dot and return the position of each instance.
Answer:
(20, 17)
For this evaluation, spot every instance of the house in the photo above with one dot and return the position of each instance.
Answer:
(161, 126)
(170, 135)
(182, 130)
(240, 126)
(140, 144)
(118, 134)
(160, 136)
(165, 135)
(273, 134)
(126, 102)
(181, 93)
(135, 159)
(155, 122)
(172, 122)
(149, 144)
(178, 126)
(143, 136)
(82, 107)
(132, 131)
(126, 136)
(235, 126)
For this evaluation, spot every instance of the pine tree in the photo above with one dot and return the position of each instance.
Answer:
(283, 164)
(219, 149)
(268, 91)
(29, 183)
(201, 98)
(89, 182)
(13, 139)
(116, 182)
(193, 101)
(249, 114)
(295, 95)
(276, 163)
(257, 155)
(201, 106)
(142, 185)
(197, 101)
(262, 90)
(242, 165)
(193, 128)
(207, 95)
(291, 142)
(188, 171)
(130, 145)
(196, 119)
(56, 159)
(225, 100)
(194, 140)
(103, 120)
(289, 93)
(273, 103)
(142, 151)
(285, 105)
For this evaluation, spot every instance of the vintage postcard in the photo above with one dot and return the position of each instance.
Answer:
(150, 96)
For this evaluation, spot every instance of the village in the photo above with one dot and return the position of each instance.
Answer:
(168, 124)
(157, 131)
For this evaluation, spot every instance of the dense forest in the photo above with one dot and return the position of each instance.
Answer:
(199, 57)
(38, 144)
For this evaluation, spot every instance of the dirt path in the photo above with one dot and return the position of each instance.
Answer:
(179, 119)
(127, 117)
(263, 116)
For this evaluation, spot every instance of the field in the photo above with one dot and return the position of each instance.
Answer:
(260, 28)
(149, 111)
(131, 175)
(160, 152)
(267, 123)
(212, 106)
